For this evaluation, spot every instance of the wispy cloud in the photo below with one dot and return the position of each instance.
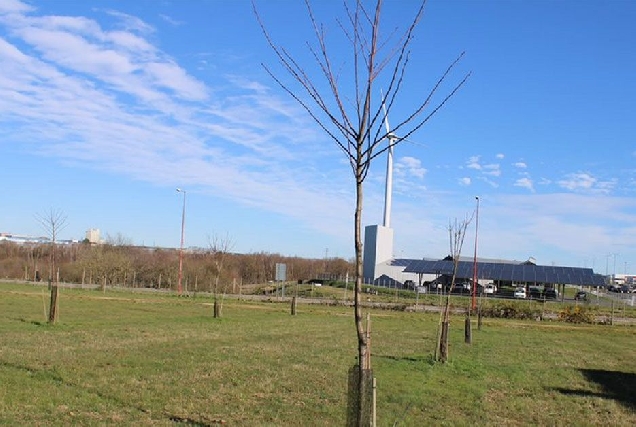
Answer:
(525, 183)
(171, 20)
(487, 170)
(473, 163)
(129, 22)
(572, 223)
(586, 182)
(112, 100)
(492, 169)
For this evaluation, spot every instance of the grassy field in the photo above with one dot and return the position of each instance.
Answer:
(145, 359)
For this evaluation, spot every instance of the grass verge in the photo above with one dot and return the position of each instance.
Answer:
(145, 359)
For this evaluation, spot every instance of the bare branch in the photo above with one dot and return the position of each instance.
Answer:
(53, 221)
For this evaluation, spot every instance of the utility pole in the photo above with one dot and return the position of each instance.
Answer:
(474, 301)
(179, 190)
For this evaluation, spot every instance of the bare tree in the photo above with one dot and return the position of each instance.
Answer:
(53, 221)
(218, 248)
(457, 233)
(354, 121)
(118, 240)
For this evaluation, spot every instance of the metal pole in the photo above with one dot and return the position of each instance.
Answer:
(182, 239)
(474, 301)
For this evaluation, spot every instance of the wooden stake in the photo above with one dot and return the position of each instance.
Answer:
(368, 333)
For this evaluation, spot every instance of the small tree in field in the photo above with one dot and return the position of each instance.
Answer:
(218, 248)
(350, 110)
(457, 232)
(53, 222)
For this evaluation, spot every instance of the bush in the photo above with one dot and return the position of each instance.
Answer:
(511, 310)
(576, 314)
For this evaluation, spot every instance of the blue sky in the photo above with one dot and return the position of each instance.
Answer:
(107, 106)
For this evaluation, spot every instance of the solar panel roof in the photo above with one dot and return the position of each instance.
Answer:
(509, 272)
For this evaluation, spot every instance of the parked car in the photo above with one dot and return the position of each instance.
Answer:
(490, 288)
(520, 293)
(536, 292)
(550, 293)
(461, 288)
(625, 289)
(435, 286)
(582, 296)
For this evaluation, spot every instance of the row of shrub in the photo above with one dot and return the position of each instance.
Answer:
(510, 310)
(578, 314)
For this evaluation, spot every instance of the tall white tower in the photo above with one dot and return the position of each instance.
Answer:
(378, 239)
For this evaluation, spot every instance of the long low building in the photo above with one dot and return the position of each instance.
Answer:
(520, 273)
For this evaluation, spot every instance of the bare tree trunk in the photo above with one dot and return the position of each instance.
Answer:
(217, 308)
(468, 333)
(443, 347)
(53, 308)
(364, 378)
(362, 338)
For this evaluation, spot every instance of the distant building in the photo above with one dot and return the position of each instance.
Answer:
(93, 236)
(624, 279)
(21, 239)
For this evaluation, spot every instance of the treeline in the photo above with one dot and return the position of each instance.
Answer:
(134, 266)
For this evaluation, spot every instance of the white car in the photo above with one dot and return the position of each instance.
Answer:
(489, 288)
(520, 293)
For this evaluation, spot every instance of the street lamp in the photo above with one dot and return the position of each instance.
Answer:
(179, 190)
(474, 302)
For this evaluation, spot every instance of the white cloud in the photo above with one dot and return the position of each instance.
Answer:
(545, 181)
(171, 20)
(122, 60)
(14, 6)
(524, 183)
(490, 182)
(131, 42)
(473, 163)
(113, 101)
(131, 23)
(500, 156)
(171, 76)
(586, 182)
(492, 170)
(520, 165)
(410, 166)
(562, 224)
(464, 181)
(577, 181)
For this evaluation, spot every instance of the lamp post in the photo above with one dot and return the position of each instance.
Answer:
(474, 302)
(179, 190)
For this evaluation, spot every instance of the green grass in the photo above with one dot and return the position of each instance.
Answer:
(147, 359)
